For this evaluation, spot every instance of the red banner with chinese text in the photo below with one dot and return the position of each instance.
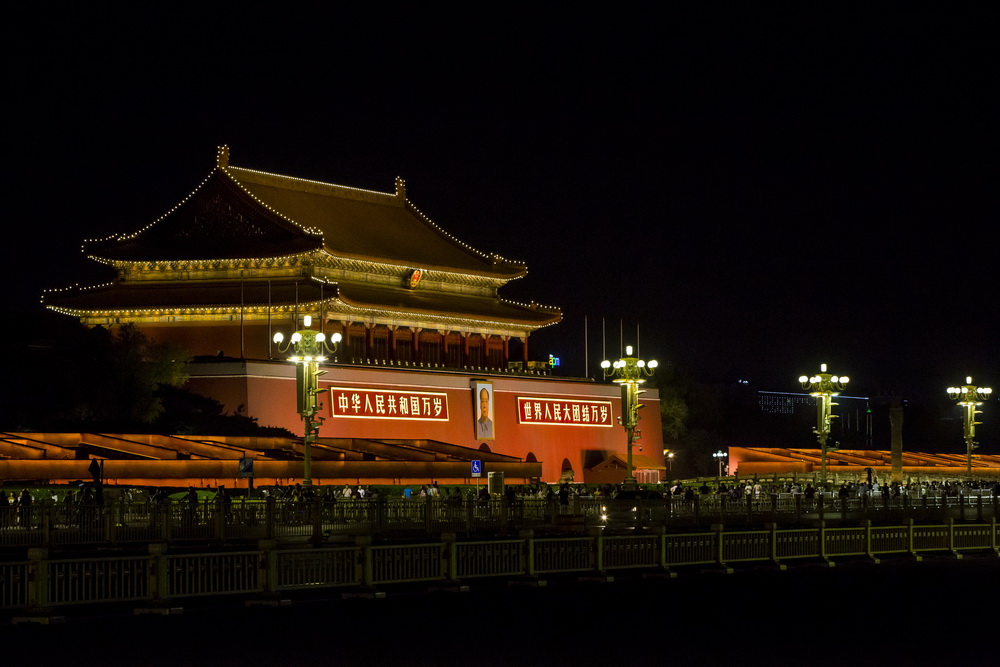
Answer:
(387, 404)
(556, 411)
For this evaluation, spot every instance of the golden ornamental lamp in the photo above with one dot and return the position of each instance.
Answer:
(824, 386)
(309, 347)
(629, 372)
(969, 397)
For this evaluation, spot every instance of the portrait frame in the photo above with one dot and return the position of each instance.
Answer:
(483, 426)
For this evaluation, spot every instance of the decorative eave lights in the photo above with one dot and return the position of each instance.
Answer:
(472, 323)
(332, 186)
(75, 287)
(199, 264)
(492, 258)
(208, 310)
(320, 255)
(312, 231)
(437, 273)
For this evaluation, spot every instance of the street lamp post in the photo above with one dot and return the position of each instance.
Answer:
(628, 372)
(309, 348)
(719, 456)
(969, 396)
(824, 387)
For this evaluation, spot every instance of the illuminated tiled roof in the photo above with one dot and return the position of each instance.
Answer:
(453, 305)
(397, 303)
(194, 294)
(760, 457)
(249, 239)
(375, 226)
(218, 221)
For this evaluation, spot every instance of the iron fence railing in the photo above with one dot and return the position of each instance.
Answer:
(243, 520)
(161, 578)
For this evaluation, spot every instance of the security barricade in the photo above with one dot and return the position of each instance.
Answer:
(890, 539)
(746, 546)
(572, 554)
(407, 563)
(121, 523)
(87, 581)
(161, 577)
(632, 552)
(496, 558)
(14, 585)
(932, 538)
(317, 568)
(213, 574)
(965, 538)
(797, 544)
(691, 549)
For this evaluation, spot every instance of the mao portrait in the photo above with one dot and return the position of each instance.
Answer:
(483, 392)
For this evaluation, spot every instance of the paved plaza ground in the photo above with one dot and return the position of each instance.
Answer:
(937, 612)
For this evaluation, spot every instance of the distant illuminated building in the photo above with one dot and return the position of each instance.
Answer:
(854, 412)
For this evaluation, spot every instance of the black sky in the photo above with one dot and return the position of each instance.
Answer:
(759, 190)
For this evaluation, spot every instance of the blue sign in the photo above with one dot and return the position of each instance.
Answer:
(477, 468)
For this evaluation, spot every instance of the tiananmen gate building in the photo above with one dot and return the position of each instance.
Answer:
(426, 336)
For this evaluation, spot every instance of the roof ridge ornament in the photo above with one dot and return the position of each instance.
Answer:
(222, 156)
(400, 188)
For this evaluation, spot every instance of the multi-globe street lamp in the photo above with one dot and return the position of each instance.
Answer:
(824, 386)
(720, 457)
(969, 396)
(628, 372)
(309, 348)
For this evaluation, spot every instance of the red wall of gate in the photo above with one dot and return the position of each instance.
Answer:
(267, 392)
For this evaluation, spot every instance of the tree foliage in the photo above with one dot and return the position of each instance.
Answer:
(62, 376)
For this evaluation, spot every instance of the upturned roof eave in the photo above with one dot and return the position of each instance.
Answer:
(493, 266)
(518, 272)
(306, 239)
(513, 316)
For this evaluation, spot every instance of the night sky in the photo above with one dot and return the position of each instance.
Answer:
(759, 191)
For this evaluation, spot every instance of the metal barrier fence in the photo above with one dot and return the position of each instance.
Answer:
(160, 578)
(311, 568)
(226, 522)
(97, 579)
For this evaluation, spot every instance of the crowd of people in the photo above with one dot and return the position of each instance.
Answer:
(15, 507)
(870, 488)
